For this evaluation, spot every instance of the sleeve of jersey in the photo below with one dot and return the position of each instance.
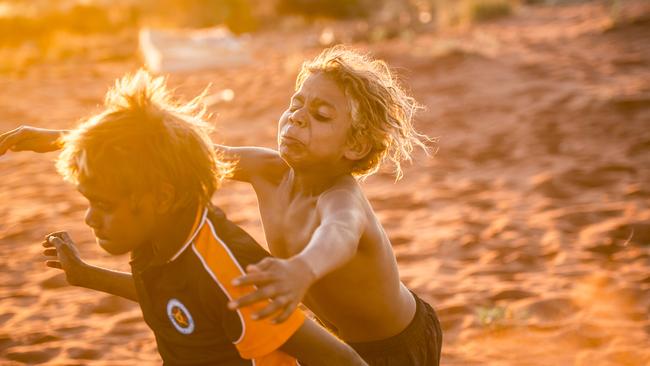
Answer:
(257, 337)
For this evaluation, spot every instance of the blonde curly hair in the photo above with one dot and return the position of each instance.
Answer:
(381, 110)
(144, 138)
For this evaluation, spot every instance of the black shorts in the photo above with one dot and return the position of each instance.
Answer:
(417, 345)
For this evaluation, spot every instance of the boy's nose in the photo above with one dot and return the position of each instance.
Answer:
(297, 118)
(90, 219)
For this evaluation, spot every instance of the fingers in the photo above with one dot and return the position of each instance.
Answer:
(50, 252)
(261, 294)
(265, 263)
(278, 303)
(53, 264)
(55, 246)
(255, 278)
(288, 310)
(56, 242)
(63, 235)
(56, 234)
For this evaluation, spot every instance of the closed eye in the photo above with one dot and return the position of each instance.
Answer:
(322, 113)
(295, 104)
(321, 117)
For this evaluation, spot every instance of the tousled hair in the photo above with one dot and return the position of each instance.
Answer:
(381, 110)
(143, 139)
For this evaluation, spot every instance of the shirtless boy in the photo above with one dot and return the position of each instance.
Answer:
(347, 117)
(131, 163)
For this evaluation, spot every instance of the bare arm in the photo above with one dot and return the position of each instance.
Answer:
(253, 162)
(334, 243)
(63, 254)
(314, 346)
(26, 138)
(110, 281)
(336, 240)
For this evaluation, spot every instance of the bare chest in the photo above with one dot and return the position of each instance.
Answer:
(289, 222)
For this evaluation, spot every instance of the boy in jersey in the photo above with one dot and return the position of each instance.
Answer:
(148, 170)
(347, 117)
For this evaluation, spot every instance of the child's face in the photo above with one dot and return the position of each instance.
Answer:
(119, 226)
(313, 130)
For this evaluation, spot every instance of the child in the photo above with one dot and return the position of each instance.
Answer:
(347, 117)
(147, 168)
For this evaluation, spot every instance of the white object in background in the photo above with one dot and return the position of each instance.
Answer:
(189, 50)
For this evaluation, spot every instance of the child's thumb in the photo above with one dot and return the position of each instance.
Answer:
(59, 244)
(65, 237)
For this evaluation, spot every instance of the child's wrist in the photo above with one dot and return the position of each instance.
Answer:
(306, 267)
(85, 275)
(57, 139)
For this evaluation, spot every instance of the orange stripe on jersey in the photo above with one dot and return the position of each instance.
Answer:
(259, 338)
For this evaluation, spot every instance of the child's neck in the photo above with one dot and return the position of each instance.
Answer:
(316, 180)
(174, 230)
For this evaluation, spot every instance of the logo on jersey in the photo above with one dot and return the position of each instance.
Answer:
(180, 317)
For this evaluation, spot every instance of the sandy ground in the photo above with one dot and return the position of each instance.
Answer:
(529, 231)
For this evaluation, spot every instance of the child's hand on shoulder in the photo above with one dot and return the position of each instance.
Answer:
(61, 252)
(282, 281)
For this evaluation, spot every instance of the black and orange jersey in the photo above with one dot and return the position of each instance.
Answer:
(184, 300)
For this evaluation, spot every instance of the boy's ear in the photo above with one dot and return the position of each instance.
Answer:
(165, 198)
(357, 149)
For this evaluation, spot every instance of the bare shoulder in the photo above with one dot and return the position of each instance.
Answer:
(344, 194)
(256, 164)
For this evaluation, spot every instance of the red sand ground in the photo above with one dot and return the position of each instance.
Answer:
(529, 231)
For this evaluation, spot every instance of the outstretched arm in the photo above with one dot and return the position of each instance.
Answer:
(313, 345)
(26, 138)
(253, 162)
(336, 240)
(63, 254)
(334, 243)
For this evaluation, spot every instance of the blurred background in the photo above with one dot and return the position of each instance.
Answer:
(528, 230)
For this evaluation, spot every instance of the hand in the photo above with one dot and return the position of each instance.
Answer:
(63, 254)
(283, 281)
(26, 138)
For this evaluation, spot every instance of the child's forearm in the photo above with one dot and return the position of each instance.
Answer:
(331, 246)
(109, 281)
(51, 139)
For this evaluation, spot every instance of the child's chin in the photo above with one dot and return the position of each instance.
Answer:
(291, 158)
(110, 247)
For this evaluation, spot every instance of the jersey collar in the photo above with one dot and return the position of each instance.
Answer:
(201, 215)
